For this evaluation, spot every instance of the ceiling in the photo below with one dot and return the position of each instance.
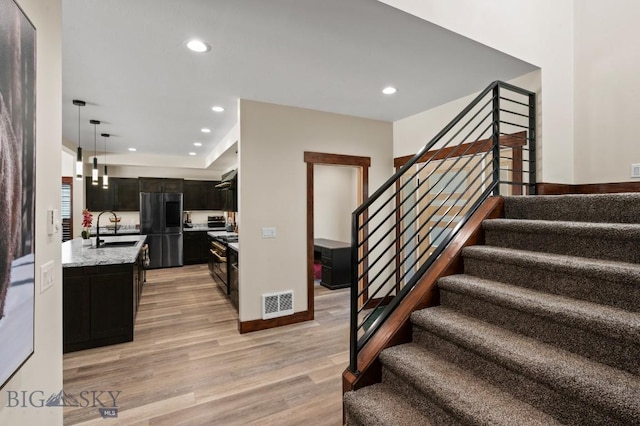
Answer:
(127, 59)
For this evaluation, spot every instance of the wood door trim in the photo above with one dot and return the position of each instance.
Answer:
(397, 328)
(512, 141)
(321, 158)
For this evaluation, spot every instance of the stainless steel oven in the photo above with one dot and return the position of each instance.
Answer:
(218, 264)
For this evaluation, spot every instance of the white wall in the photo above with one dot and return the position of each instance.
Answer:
(607, 77)
(272, 175)
(335, 197)
(537, 31)
(43, 371)
(411, 134)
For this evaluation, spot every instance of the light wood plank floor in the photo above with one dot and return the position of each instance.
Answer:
(188, 365)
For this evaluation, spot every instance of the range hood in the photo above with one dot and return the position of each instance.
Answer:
(228, 179)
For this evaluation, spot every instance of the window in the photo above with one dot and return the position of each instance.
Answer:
(66, 208)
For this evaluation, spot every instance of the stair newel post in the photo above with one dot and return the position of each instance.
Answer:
(353, 332)
(495, 148)
(532, 144)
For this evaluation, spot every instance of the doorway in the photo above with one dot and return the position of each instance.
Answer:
(312, 159)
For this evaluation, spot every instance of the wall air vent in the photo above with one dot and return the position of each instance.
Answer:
(277, 304)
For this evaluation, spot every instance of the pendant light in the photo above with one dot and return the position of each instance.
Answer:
(79, 163)
(94, 172)
(105, 176)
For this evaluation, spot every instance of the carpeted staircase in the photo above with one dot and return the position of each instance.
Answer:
(542, 328)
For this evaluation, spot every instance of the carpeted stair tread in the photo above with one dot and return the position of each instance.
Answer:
(618, 208)
(381, 405)
(606, 320)
(612, 241)
(607, 282)
(464, 395)
(612, 390)
(603, 269)
(614, 231)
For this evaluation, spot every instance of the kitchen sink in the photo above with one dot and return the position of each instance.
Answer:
(108, 244)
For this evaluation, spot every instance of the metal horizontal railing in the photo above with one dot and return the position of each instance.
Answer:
(398, 233)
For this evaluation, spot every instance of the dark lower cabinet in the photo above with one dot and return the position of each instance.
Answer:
(232, 276)
(99, 305)
(195, 247)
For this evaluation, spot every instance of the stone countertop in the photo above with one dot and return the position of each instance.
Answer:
(202, 228)
(234, 246)
(131, 231)
(221, 233)
(75, 255)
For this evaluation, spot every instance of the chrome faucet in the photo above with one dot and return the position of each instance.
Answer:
(115, 229)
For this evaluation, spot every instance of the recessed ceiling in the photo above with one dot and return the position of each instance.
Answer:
(128, 60)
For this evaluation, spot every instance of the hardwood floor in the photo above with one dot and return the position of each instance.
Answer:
(188, 365)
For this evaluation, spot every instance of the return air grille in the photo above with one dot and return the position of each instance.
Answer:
(277, 304)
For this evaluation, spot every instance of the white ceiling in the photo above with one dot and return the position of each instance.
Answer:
(127, 60)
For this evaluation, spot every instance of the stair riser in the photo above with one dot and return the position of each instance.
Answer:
(563, 407)
(572, 245)
(613, 293)
(600, 208)
(598, 347)
(438, 415)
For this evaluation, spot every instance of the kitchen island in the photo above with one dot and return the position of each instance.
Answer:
(101, 291)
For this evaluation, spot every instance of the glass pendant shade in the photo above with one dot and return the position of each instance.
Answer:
(105, 178)
(94, 172)
(79, 165)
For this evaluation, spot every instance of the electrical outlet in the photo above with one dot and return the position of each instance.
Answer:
(46, 276)
(635, 170)
(269, 232)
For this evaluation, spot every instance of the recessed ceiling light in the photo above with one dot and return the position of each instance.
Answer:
(389, 90)
(132, 149)
(198, 46)
(197, 144)
(192, 153)
(205, 130)
(217, 109)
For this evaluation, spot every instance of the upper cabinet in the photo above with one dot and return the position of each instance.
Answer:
(126, 195)
(98, 198)
(161, 185)
(202, 195)
(121, 195)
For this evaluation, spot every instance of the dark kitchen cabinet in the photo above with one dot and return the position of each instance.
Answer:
(76, 300)
(212, 195)
(161, 185)
(194, 195)
(121, 195)
(195, 247)
(99, 305)
(230, 199)
(202, 195)
(98, 198)
(126, 194)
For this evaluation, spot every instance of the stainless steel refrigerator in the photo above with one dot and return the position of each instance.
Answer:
(161, 221)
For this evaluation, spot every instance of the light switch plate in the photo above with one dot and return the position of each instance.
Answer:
(269, 232)
(635, 170)
(46, 276)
